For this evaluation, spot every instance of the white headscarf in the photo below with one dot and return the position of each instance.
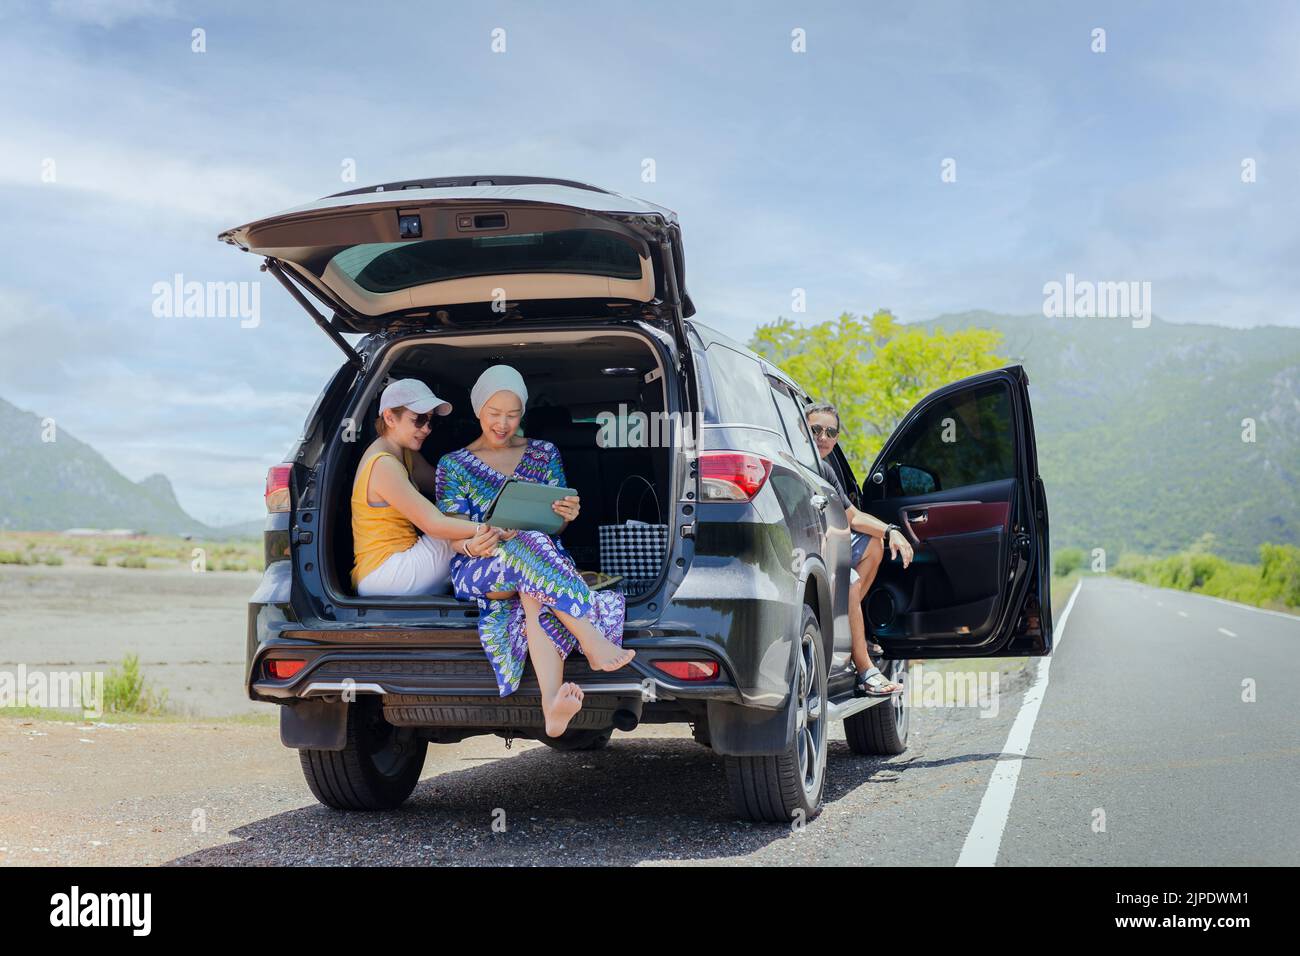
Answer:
(498, 378)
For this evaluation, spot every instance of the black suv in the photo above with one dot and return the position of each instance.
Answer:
(742, 629)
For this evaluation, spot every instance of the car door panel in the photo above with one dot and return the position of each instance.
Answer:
(976, 582)
(927, 521)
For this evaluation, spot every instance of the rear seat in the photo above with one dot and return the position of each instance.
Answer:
(597, 474)
(576, 442)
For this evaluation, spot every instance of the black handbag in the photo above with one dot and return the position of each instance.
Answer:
(635, 550)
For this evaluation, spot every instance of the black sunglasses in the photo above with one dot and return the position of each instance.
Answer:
(818, 429)
(422, 419)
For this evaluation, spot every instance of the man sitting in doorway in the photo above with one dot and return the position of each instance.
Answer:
(870, 536)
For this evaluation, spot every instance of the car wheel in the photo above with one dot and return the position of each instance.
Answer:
(578, 740)
(789, 786)
(882, 729)
(377, 768)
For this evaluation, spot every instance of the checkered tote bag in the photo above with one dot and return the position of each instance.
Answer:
(634, 549)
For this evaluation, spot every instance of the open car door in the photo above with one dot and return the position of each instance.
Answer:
(960, 476)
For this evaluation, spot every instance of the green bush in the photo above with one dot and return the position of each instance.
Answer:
(1135, 566)
(54, 560)
(14, 557)
(1280, 572)
(1275, 580)
(126, 691)
(133, 561)
(100, 561)
(1067, 561)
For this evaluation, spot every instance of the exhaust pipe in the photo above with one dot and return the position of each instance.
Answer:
(627, 718)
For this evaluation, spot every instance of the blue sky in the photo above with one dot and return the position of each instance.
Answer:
(817, 170)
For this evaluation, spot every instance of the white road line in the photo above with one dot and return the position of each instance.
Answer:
(1182, 614)
(985, 837)
(1246, 607)
(1224, 630)
(1153, 589)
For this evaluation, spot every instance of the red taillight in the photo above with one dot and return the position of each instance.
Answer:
(732, 475)
(689, 670)
(277, 488)
(282, 669)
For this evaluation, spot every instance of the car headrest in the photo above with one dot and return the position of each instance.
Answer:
(554, 425)
(542, 421)
(573, 435)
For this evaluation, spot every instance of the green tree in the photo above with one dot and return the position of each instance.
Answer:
(873, 370)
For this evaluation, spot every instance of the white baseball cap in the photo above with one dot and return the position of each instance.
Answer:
(413, 394)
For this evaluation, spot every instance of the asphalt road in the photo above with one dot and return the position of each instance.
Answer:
(1147, 726)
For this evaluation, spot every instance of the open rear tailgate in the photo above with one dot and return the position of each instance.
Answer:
(444, 248)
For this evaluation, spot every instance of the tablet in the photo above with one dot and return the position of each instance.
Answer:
(526, 506)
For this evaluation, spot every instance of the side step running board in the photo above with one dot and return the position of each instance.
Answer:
(838, 710)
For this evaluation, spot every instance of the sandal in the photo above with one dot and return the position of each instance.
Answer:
(872, 683)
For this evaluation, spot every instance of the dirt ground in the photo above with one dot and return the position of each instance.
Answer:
(155, 791)
(187, 628)
(115, 792)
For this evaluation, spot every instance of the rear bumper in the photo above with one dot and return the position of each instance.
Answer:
(428, 663)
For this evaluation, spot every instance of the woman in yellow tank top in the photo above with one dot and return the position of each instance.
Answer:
(403, 544)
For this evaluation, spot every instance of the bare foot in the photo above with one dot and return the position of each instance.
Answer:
(566, 703)
(608, 656)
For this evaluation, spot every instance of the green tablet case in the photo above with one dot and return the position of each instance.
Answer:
(526, 506)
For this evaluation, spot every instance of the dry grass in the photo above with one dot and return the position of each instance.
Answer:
(150, 551)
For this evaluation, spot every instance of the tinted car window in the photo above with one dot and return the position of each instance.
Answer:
(796, 430)
(391, 266)
(964, 440)
(741, 389)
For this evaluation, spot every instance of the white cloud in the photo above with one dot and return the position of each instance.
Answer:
(149, 180)
(110, 13)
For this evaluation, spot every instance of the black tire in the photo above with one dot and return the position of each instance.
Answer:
(786, 787)
(578, 740)
(882, 729)
(376, 770)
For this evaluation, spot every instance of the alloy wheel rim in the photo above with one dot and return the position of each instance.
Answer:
(810, 724)
(898, 702)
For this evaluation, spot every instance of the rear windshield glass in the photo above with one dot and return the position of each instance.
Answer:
(391, 266)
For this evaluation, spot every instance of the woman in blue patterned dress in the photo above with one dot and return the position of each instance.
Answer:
(532, 600)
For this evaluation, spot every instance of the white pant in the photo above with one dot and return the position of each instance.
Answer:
(424, 568)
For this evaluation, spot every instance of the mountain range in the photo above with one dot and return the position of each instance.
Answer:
(1140, 441)
(1140, 430)
(65, 483)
